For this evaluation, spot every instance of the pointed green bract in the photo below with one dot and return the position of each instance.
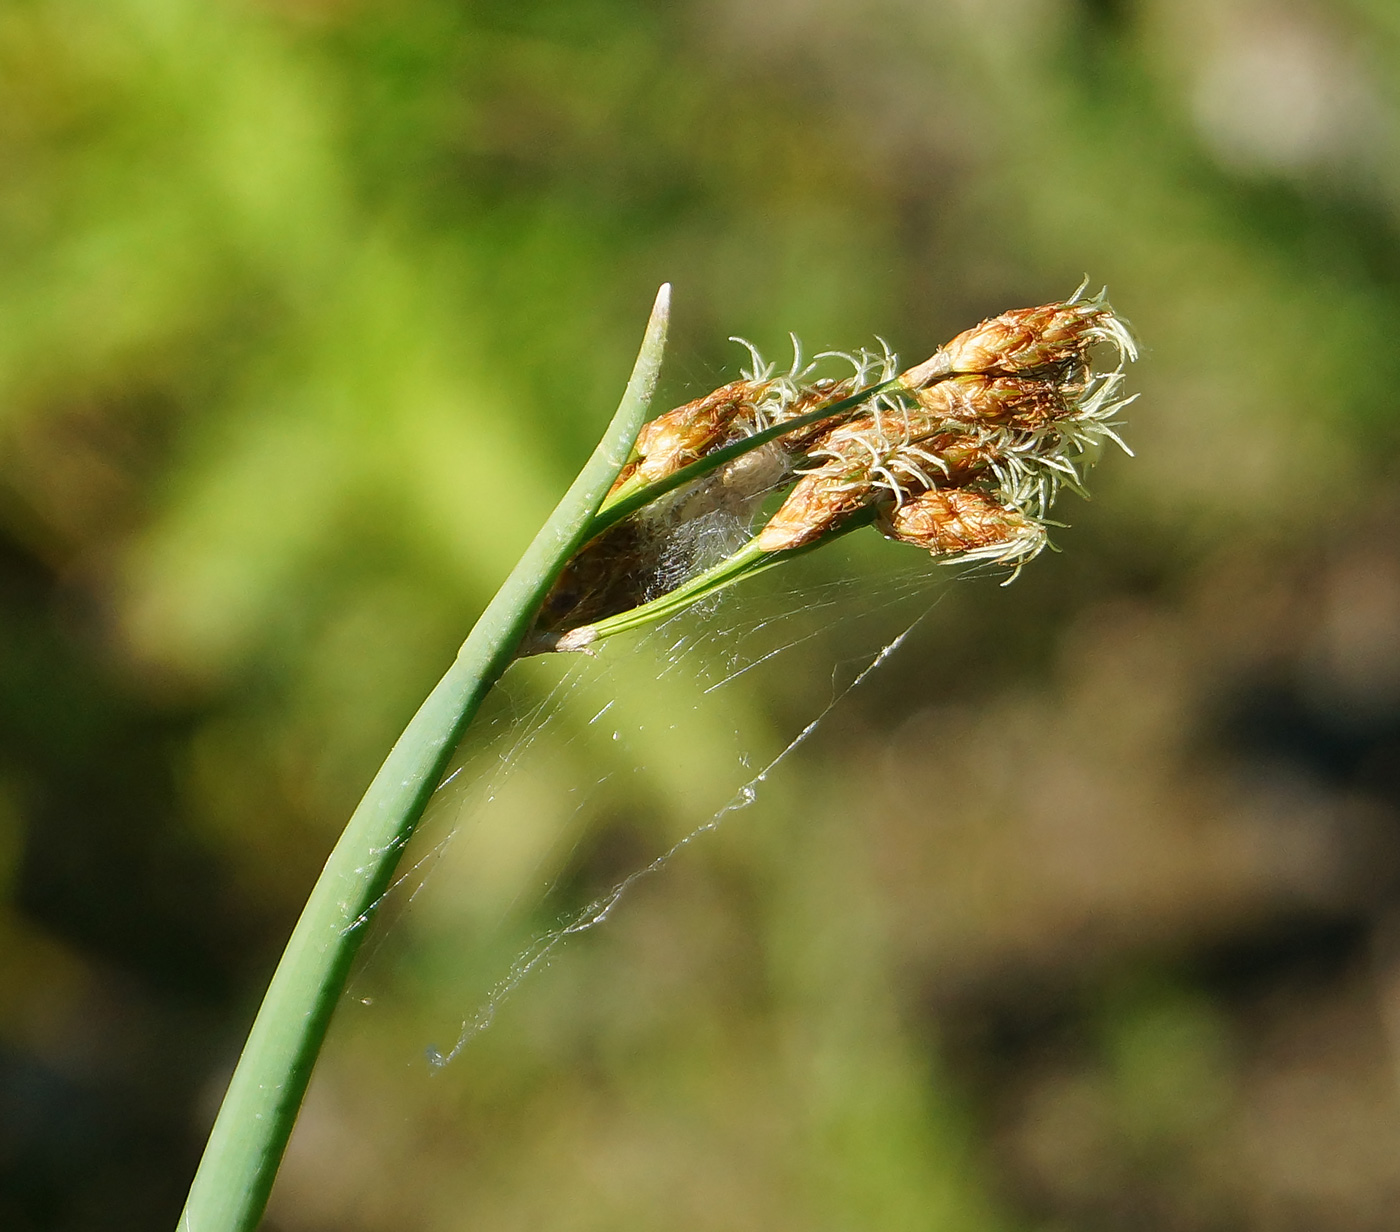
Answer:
(260, 1107)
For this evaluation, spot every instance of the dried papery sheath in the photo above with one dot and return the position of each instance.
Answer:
(610, 575)
(962, 455)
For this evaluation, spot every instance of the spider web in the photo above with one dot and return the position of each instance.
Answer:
(664, 738)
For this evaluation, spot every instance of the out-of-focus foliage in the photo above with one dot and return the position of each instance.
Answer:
(1080, 915)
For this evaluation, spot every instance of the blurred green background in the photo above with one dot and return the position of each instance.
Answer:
(1082, 914)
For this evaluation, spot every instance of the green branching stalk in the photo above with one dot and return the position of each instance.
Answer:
(260, 1107)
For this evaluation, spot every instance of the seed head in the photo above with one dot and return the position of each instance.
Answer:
(962, 455)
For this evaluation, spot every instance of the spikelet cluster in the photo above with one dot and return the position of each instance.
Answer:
(1004, 416)
(962, 455)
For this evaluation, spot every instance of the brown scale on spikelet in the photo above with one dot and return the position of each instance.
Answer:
(1017, 402)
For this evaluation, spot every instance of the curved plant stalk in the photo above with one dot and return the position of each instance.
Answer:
(260, 1107)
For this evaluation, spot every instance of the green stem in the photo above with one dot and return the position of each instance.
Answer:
(260, 1107)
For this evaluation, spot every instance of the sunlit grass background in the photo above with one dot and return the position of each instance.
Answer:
(1082, 915)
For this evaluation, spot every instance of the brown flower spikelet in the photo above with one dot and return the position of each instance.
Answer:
(958, 520)
(1017, 402)
(817, 503)
(1024, 341)
(688, 433)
